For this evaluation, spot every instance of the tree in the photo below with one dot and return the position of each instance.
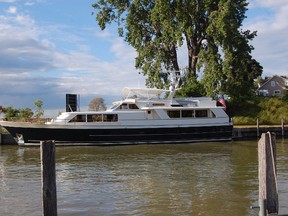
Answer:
(25, 113)
(16, 114)
(211, 31)
(97, 104)
(10, 112)
(39, 111)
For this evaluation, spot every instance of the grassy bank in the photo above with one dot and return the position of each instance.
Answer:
(269, 111)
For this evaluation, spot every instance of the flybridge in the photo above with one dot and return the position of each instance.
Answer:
(142, 92)
(149, 92)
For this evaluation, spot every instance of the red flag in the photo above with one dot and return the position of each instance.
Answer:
(222, 102)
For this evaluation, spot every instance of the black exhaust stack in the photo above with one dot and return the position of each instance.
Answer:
(71, 102)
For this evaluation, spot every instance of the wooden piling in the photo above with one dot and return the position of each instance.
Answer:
(268, 191)
(48, 177)
(282, 126)
(257, 125)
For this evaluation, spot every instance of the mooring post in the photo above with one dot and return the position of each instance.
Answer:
(282, 126)
(258, 135)
(268, 191)
(48, 177)
(262, 207)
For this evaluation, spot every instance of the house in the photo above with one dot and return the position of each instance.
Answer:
(275, 86)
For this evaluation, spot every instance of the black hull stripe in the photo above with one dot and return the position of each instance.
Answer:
(161, 135)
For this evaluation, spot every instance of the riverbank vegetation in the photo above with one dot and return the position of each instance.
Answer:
(268, 110)
(11, 113)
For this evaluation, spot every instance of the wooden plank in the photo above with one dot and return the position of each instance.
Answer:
(48, 176)
(268, 190)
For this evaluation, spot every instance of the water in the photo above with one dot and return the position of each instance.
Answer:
(191, 179)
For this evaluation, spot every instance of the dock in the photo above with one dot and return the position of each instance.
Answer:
(252, 132)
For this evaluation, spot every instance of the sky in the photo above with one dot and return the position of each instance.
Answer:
(50, 48)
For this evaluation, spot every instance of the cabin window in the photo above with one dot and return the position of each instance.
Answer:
(78, 118)
(158, 104)
(124, 106)
(173, 113)
(102, 118)
(133, 106)
(201, 113)
(128, 106)
(114, 106)
(273, 83)
(110, 117)
(187, 113)
(94, 118)
(277, 92)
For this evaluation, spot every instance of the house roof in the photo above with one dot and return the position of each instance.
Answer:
(281, 84)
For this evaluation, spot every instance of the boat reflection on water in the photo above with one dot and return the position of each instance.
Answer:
(194, 179)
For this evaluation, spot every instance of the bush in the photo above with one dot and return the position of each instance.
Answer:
(269, 111)
(244, 120)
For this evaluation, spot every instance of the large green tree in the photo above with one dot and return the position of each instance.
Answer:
(217, 47)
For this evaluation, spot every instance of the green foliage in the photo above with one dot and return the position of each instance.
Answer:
(273, 110)
(22, 114)
(211, 31)
(191, 89)
(244, 120)
(10, 112)
(17, 114)
(268, 110)
(39, 111)
(285, 97)
(244, 108)
(25, 113)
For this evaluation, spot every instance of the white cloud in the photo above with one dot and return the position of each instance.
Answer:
(21, 49)
(271, 45)
(33, 66)
(267, 3)
(12, 10)
(275, 17)
(122, 51)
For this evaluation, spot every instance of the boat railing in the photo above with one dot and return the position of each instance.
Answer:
(28, 120)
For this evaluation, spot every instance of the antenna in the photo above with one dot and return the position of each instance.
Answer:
(174, 82)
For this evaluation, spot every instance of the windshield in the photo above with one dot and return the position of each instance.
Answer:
(114, 106)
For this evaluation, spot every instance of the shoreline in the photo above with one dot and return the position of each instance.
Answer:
(251, 132)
